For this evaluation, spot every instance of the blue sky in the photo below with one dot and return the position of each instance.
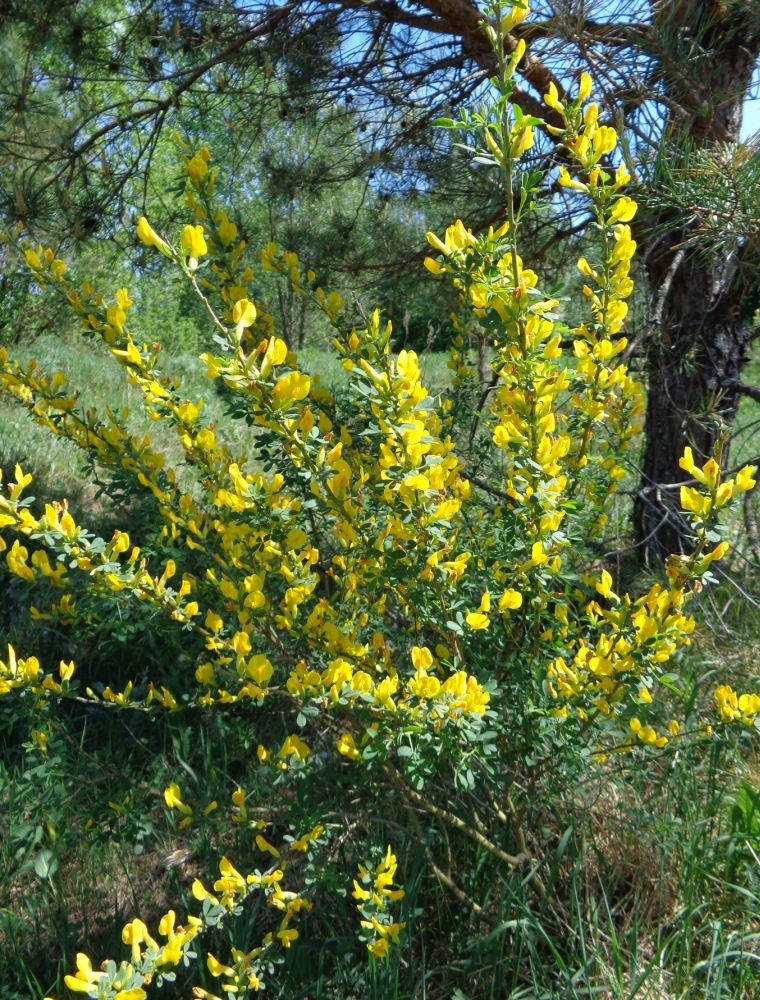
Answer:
(751, 123)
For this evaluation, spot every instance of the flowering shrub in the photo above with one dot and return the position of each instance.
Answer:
(432, 633)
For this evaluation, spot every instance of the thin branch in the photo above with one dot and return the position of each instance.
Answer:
(752, 391)
(172, 99)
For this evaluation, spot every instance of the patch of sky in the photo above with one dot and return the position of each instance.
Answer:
(751, 119)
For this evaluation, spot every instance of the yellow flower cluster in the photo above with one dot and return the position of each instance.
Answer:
(737, 708)
(716, 492)
(423, 696)
(547, 451)
(17, 674)
(639, 636)
(373, 891)
(149, 957)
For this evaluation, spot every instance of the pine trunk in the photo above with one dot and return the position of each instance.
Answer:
(693, 365)
(695, 355)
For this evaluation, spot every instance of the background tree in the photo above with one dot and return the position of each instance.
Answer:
(675, 75)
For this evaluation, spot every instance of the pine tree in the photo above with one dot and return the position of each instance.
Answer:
(673, 74)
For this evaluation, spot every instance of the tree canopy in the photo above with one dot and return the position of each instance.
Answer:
(89, 88)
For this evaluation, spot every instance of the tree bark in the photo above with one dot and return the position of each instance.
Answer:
(693, 364)
(696, 352)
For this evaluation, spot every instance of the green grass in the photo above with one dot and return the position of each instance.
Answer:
(643, 903)
(101, 383)
(653, 868)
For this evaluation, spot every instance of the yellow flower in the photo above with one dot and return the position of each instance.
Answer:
(294, 745)
(41, 739)
(379, 948)
(213, 621)
(537, 555)
(148, 235)
(584, 89)
(85, 978)
(424, 686)
(510, 600)
(707, 475)
(477, 621)
(290, 388)
(744, 478)
(515, 16)
(173, 799)
(302, 844)
(200, 892)
(422, 658)
(749, 704)
(243, 316)
(216, 968)
(32, 259)
(522, 140)
(197, 168)
(226, 230)
(604, 587)
(275, 354)
(693, 500)
(287, 936)
(193, 242)
(346, 746)
(551, 99)
(364, 895)
(136, 933)
(623, 210)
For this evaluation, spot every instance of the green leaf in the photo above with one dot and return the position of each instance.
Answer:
(45, 864)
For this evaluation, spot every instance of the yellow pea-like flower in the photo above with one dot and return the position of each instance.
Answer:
(510, 600)
(243, 316)
(150, 237)
(604, 586)
(264, 845)
(85, 978)
(422, 658)
(551, 99)
(744, 479)
(225, 230)
(197, 168)
(346, 746)
(514, 17)
(584, 89)
(275, 354)
(217, 968)
(173, 799)
(291, 388)
(193, 242)
(623, 210)
(477, 621)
